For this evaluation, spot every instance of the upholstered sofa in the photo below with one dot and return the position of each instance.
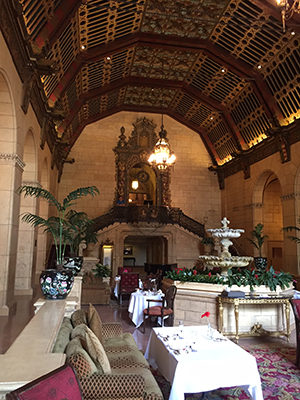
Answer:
(108, 362)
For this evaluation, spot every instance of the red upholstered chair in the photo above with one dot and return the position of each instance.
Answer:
(124, 270)
(129, 282)
(296, 309)
(166, 310)
(62, 383)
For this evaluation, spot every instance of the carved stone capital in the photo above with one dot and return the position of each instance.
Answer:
(12, 159)
(32, 183)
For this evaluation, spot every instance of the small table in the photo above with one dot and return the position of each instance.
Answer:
(257, 329)
(138, 302)
(214, 365)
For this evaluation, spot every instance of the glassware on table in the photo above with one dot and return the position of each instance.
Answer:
(180, 324)
(210, 332)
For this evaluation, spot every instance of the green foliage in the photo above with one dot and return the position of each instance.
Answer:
(293, 228)
(258, 238)
(79, 229)
(64, 227)
(236, 276)
(101, 271)
(208, 240)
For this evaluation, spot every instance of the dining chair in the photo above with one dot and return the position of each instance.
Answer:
(61, 383)
(128, 283)
(166, 310)
(124, 270)
(296, 309)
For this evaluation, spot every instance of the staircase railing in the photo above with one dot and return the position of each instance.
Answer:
(159, 214)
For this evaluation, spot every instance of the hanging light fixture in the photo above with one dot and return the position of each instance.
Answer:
(135, 184)
(288, 7)
(162, 156)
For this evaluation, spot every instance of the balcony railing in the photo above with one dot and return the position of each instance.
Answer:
(161, 215)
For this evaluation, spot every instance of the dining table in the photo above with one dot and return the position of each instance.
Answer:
(195, 362)
(138, 302)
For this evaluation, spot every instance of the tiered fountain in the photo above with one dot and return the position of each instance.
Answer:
(225, 260)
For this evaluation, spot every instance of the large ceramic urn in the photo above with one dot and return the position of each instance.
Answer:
(74, 264)
(56, 284)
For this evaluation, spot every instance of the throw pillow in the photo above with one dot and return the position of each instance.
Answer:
(96, 351)
(79, 317)
(94, 322)
(75, 347)
(79, 330)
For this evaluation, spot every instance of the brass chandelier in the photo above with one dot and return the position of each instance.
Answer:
(162, 156)
(288, 7)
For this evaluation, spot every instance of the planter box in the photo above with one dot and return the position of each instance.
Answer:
(218, 289)
(194, 299)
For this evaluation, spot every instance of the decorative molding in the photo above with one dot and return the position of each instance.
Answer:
(254, 205)
(13, 158)
(290, 196)
(32, 183)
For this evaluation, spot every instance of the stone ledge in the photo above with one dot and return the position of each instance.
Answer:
(30, 357)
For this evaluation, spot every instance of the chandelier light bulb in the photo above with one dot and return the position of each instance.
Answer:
(135, 184)
(162, 157)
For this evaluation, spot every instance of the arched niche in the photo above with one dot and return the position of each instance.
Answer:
(268, 210)
(132, 156)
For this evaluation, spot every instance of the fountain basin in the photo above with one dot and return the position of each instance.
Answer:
(225, 263)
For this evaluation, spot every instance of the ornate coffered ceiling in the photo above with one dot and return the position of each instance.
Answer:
(223, 68)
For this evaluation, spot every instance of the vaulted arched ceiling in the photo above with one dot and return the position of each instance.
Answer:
(225, 69)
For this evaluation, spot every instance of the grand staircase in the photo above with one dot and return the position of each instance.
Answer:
(159, 214)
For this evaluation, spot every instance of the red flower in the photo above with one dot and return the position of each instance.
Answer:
(206, 314)
(256, 276)
(177, 272)
(209, 274)
(195, 272)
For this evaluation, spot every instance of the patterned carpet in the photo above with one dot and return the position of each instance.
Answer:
(280, 377)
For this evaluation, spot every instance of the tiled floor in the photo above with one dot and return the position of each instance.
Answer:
(11, 326)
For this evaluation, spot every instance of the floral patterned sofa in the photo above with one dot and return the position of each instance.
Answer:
(108, 362)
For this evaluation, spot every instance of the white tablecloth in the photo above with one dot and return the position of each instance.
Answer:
(214, 365)
(117, 286)
(138, 302)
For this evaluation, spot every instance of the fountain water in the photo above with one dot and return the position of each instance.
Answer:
(225, 261)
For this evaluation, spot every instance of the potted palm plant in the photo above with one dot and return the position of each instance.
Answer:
(258, 239)
(56, 283)
(79, 230)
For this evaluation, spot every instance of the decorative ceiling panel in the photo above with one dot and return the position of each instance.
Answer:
(152, 62)
(218, 134)
(148, 96)
(215, 80)
(194, 19)
(190, 108)
(249, 116)
(249, 32)
(105, 21)
(282, 75)
(224, 68)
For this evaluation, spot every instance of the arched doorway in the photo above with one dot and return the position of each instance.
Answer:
(142, 185)
(268, 211)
